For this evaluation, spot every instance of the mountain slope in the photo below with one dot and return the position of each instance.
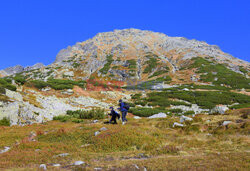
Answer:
(94, 73)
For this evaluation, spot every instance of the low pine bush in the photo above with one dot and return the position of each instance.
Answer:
(6, 83)
(91, 114)
(20, 79)
(5, 122)
(2, 90)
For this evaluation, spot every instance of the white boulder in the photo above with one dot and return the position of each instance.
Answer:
(159, 115)
(176, 124)
(78, 163)
(219, 110)
(137, 117)
(185, 118)
(226, 123)
(43, 166)
(4, 150)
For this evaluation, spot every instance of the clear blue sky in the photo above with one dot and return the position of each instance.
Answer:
(34, 31)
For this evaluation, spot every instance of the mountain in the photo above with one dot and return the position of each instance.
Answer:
(101, 70)
(131, 50)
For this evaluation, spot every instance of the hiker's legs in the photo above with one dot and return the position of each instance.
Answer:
(112, 119)
(115, 120)
(124, 113)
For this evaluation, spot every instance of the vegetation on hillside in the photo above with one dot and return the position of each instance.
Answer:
(57, 84)
(106, 67)
(6, 83)
(219, 74)
(78, 116)
(151, 63)
(5, 122)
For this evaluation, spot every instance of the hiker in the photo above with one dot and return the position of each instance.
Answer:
(124, 109)
(113, 115)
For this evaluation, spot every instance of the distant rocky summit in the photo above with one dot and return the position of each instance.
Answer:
(18, 69)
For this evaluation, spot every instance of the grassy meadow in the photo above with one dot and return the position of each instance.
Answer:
(203, 144)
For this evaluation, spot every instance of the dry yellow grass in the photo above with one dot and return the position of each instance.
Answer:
(146, 143)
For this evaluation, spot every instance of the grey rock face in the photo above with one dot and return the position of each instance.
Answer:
(14, 70)
(18, 69)
(36, 66)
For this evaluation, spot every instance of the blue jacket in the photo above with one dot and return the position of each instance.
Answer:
(122, 108)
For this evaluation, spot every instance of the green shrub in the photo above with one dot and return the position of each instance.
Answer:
(76, 65)
(6, 83)
(151, 64)
(2, 90)
(165, 78)
(19, 79)
(96, 84)
(39, 84)
(5, 122)
(145, 112)
(239, 106)
(106, 67)
(223, 74)
(58, 84)
(175, 110)
(157, 73)
(131, 104)
(136, 96)
(132, 64)
(205, 99)
(243, 70)
(91, 114)
(62, 118)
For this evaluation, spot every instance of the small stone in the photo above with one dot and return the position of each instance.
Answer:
(176, 124)
(226, 123)
(78, 163)
(95, 121)
(185, 118)
(85, 145)
(63, 155)
(137, 117)
(56, 165)
(137, 167)
(4, 150)
(96, 133)
(103, 129)
(43, 166)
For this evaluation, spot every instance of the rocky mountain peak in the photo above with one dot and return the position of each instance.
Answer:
(134, 42)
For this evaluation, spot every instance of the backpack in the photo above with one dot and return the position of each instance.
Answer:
(126, 106)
